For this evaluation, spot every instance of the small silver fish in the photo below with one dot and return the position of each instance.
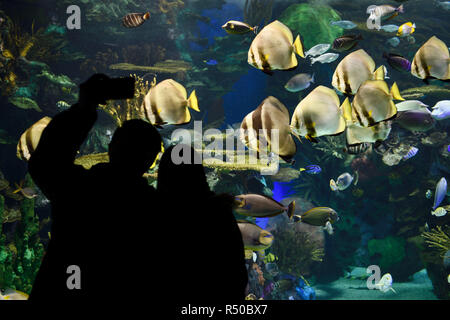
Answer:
(299, 82)
(325, 58)
(318, 49)
(344, 24)
(428, 194)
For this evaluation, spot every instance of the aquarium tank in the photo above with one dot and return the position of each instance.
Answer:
(328, 120)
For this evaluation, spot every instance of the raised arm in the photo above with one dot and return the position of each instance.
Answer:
(52, 163)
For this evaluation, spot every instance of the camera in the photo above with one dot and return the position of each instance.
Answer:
(115, 88)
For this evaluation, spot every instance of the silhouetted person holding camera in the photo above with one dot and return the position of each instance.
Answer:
(101, 218)
(207, 250)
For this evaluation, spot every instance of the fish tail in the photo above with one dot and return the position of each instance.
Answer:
(298, 47)
(193, 102)
(401, 9)
(291, 209)
(396, 93)
(146, 16)
(302, 169)
(379, 73)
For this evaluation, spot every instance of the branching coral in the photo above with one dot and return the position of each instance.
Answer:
(168, 66)
(438, 239)
(130, 108)
(257, 11)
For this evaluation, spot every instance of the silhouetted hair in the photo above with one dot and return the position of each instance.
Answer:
(185, 178)
(135, 142)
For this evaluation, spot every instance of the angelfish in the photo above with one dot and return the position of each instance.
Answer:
(432, 60)
(318, 114)
(274, 48)
(356, 68)
(256, 129)
(167, 103)
(29, 140)
(260, 206)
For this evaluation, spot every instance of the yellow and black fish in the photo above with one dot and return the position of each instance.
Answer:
(432, 60)
(238, 27)
(133, 20)
(270, 115)
(372, 104)
(30, 138)
(274, 48)
(318, 115)
(354, 70)
(167, 103)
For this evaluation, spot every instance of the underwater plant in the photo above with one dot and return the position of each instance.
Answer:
(21, 250)
(296, 251)
(438, 239)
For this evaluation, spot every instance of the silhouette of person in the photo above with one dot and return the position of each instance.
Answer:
(209, 248)
(100, 217)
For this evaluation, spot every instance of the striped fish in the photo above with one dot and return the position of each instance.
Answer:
(432, 60)
(357, 148)
(372, 104)
(30, 138)
(353, 70)
(167, 103)
(133, 20)
(274, 48)
(318, 115)
(270, 115)
(411, 153)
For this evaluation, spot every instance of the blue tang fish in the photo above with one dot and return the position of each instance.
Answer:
(210, 62)
(312, 169)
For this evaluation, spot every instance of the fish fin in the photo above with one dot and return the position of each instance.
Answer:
(379, 73)
(291, 209)
(193, 102)
(395, 92)
(393, 16)
(146, 15)
(298, 47)
(311, 139)
(296, 135)
(297, 218)
(255, 29)
(333, 186)
(393, 290)
(187, 118)
(17, 190)
(302, 169)
(346, 109)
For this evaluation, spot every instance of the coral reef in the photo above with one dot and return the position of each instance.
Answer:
(21, 250)
(438, 239)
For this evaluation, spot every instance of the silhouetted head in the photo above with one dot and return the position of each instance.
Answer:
(134, 147)
(185, 179)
